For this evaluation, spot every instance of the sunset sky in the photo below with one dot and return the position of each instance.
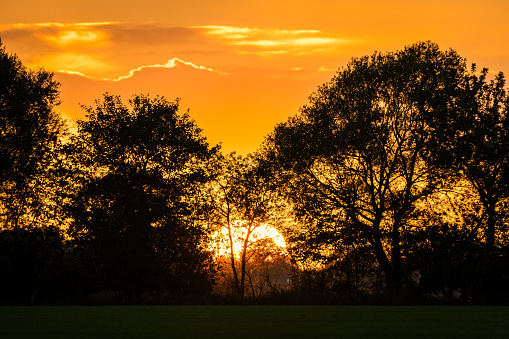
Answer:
(241, 67)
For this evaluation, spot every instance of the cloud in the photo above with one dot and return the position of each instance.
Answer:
(104, 50)
(292, 42)
(75, 62)
(58, 25)
(65, 38)
(170, 64)
(62, 35)
(274, 41)
(114, 51)
(148, 38)
(63, 71)
(59, 34)
(58, 41)
(229, 32)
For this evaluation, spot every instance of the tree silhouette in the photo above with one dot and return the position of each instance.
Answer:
(394, 178)
(30, 136)
(357, 160)
(32, 266)
(474, 142)
(137, 168)
(241, 201)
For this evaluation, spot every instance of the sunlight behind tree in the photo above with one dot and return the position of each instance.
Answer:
(264, 232)
(259, 251)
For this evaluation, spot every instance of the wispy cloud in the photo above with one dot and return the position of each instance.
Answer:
(60, 25)
(170, 64)
(230, 32)
(274, 41)
(114, 51)
(291, 42)
(63, 71)
(68, 37)
(60, 34)
(76, 61)
(103, 50)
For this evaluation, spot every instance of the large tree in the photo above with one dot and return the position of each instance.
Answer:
(136, 169)
(359, 158)
(30, 135)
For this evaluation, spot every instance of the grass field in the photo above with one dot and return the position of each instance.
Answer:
(253, 322)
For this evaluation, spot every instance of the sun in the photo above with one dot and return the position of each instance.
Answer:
(239, 231)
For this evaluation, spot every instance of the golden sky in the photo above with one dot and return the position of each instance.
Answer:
(240, 67)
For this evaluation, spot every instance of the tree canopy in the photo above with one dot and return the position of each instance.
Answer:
(360, 159)
(30, 135)
(138, 166)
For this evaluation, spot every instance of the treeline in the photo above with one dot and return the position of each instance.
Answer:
(390, 186)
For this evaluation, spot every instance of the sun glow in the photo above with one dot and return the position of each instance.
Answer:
(260, 233)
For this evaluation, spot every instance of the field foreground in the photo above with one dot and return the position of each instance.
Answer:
(253, 322)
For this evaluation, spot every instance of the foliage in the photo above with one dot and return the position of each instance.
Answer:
(136, 170)
(477, 146)
(31, 262)
(30, 136)
(241, 200)
(358, 157)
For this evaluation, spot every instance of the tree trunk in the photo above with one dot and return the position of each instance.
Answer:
(482, 270)
(474, 289)
(232, 263)
(392, 275)
(243, 261)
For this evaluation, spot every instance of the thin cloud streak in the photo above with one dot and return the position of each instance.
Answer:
(62, 25)
(230, 32)
(284, 41)
(170, 64)
(293, 42)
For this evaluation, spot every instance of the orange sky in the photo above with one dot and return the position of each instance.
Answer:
(239, 66)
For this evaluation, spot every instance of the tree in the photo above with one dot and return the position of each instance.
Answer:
(31, 262)
(241, 201)
(474, 141)
(358, 158)
(30, 136)
(136, 169)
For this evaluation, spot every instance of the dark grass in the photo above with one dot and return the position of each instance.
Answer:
(254, 322)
